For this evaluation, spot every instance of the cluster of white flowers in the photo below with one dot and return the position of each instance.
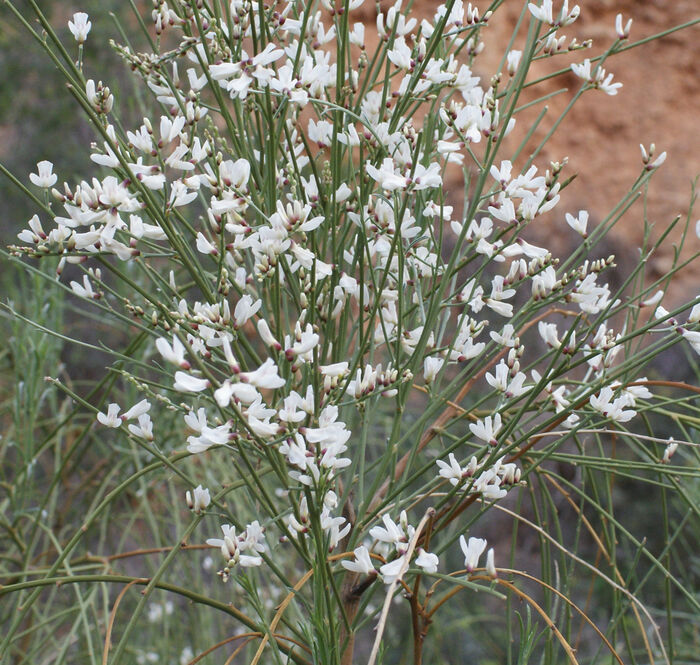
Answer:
(393, 540)
(233, 546)
(316, 279)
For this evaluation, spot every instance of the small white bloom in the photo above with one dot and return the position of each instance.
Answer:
(362, 563)
(452, 471)
(427, 561)
(513, 61)
(245, 309)
(490, 565)
(668, 451)
(111, 418)
(598, 79)
(544, 13)
(335, 370)
(199, 501)
(357, 36)
(144, 429)
(391, 532)
(185, 383)
(579, 223)
(694, 316)
(613, 409)
(385, 175)
(431, 367)
(266, 376)
(392, 571)
(267, 336)
(85, 290)
(45, 177)
(661, 313)
(487, 429)
(174, 354)
(693, 338)
(623, 32)
(654, 300)
(472, 551)
(144, 406)
(80, 26)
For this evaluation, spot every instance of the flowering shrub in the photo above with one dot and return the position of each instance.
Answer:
(385, 366)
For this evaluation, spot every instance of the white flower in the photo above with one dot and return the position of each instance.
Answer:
(80, 26)
(453, 472)
(267, 336)
(694, 316)
(362, 563)
(111, 418)
(185, 383)
(544, 13)
(144, 406)
(501, 381)
(174, 354)
(266, 376)
(99, 96)
(549, 334)
(431, 367)
(400, 55)
(144, 430)
(513, 61)
(232, 545)
(209, 436)
(391, 533)
(304, 344)
(490, 565)
(472, 551)
(623, 32)
(392, 571)
(693, 338)
(654, 300)
(336, 528)
(427, 561)
(199, 501)
(335, 370)
(488, 484)
(579, 223)
(258, 416)
(357, 36)
(598, 80)
(243, 392)
(35, 233)
(170, 128)
(45, 178)
(85, 290)
(487, 429)
(613, 409)
(205, 246)
(506, 337)
(385, 175)
(669, 451)
(245, 308)
(647, 156)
